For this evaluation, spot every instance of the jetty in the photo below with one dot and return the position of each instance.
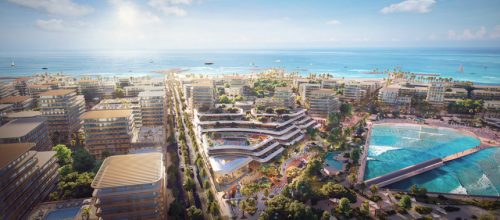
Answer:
(419, 168)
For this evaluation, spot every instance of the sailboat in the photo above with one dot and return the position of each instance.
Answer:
(12, 64)
(461, 68)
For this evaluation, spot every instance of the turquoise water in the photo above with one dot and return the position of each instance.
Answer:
(479, 65)
(330, 161)
(393, 147)
(63, 214)
(476, 174)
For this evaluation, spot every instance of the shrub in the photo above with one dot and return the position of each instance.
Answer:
(451, 209)
(424, 210)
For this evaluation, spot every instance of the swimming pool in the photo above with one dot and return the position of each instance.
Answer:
(475, 174)
(63, 214)
(393, 147)
(330, 160)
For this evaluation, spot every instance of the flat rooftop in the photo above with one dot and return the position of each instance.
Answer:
(129, 170)
(14, 99)
(20, 127)
(57, 92)
(10, 152)
(44, 157)
(23, 114)
(152, 93)
(110, 113)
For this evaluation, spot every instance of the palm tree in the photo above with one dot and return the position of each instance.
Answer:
(373, 189)
(243, 207)
(85, 213)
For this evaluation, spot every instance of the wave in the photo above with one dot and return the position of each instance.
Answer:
(459, 190)
(359, 70)
(483, 183)
(376, 150)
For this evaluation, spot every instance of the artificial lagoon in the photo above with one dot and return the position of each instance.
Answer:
(395, 146)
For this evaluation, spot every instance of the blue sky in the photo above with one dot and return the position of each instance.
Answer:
(224, 24)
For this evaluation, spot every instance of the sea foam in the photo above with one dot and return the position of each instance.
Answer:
(376, 150)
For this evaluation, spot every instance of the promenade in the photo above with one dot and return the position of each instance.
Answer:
(364, 155)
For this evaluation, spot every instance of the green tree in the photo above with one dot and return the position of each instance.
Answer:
(118, 93)
(266, 192)
(282, 207)
(75, 185)
(405, 202)
(345, 110)
(333, 120)
(66, 169)
(352, 179)
(344, 207)
(176, 210)
(83, 161)
(63, 154)
(373, 189)
(194, 213)
(325, 215)
(354, 155)
(188, 184)
(365, 208)
(312, 132)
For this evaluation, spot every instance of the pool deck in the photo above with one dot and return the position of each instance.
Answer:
(42, 210)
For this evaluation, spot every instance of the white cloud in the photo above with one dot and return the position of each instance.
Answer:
(170, 2)
(333, 22)
(467, 34)
(58, 25)
(495, 34)
(57, 7)
(414, 6)
(169, 6)
(173, 10)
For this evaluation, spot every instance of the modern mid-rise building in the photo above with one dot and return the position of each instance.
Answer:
(131, 187)
(62, 108)
(6, 89)
(91, 89)
(123, 103)
(28, 129)
(329, 84)
(202, 95)
(285, 95)
(19, 103)
(353, 92)
(26, 178)
(109, 131)
(305, 90)
(21, 85)
(435, 93)
(153, 108)
(322, 102)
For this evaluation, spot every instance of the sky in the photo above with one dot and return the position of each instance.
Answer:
(247, 24)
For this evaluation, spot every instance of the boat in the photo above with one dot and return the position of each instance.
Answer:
(209, 63)
(461, 68)
(12, 64)
(277, 61)
(45, 68)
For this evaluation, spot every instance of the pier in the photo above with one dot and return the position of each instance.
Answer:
(419, 168)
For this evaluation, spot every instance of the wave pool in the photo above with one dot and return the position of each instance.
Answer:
(393, 147)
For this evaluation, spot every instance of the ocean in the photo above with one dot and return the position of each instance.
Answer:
(478, 65)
